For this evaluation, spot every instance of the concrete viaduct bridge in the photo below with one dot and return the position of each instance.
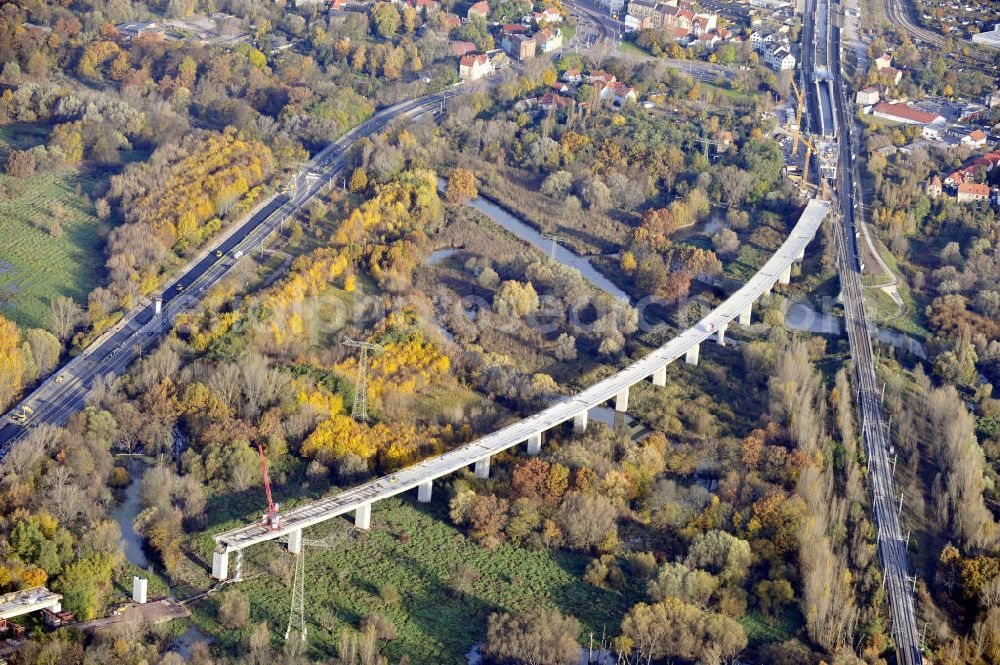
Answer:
(421, 476)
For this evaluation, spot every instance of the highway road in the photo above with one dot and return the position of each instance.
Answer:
(531, 429)
(64, 392)
(885, 500)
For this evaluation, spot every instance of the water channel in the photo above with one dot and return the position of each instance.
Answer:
(126, 512)
(529, 234)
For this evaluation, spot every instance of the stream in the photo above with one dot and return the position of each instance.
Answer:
(126, 512)
(528, 233)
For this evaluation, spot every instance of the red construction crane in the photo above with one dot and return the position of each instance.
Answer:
(271, 520)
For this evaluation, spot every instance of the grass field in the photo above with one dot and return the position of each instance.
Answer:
(35, 265)
(413, 549)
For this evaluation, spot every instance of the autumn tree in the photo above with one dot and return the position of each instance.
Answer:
(461, 186)
(539, 637)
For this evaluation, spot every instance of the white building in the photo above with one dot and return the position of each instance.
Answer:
(991, 38)
(778, 57)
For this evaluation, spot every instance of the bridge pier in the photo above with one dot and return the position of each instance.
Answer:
(580, 422)
(621, 401)
(801, 255)
(745, 315)
(424, 491)
(295, 542)
(363, 516)
(220, 565)
(691, 357)
(722, 334)
(535, 444)
(660, 376)
(786, 275)
(483, 468)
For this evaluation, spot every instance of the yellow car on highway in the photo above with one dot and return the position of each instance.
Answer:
(218, 253)
(180, 287)
(60, 378)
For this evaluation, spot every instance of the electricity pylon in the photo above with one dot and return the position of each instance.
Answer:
(360, 409)
(297, 613)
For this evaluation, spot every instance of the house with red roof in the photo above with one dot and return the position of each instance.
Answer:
(972, 191)
(460, 48)
(474, 66)
(480, 9)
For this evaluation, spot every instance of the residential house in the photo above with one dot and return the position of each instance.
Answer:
(548, 40)
(992, 99)
(600, 76)
(707, 40)
(427, 5)
(559, 87)
(778, 57)
(480, 9)
(702, 24)
(513, 29)
(724, 138)
(552, 101)
(572, 76)
(933, 187)
(891, 75)
(972, 191)
(519, 47)
(451, 21)
(623, 93)
(901, 112)
(605, 91)
(867, 96)
(548, 15)
(474, 66)
(883, 61)
(130, 31)
(462, 48)
(975, 139)
(962, 176)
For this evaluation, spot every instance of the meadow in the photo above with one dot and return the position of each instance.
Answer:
(404, 569)
(39, 260)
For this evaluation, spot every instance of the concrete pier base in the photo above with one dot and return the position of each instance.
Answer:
(483, 468)
(220, 565)
(424, 491)
(745, 315)
(801, 255)
(786, 276)
(660, 377)
(295, 542)
(691, 358)
(363, 516)
(621, 401)
(580, 422)
(721, 338)
(535, 444)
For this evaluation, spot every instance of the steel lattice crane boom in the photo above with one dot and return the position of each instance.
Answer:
(798, 116)
(271, 519)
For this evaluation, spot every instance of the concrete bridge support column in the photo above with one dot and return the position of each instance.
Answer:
(220, 565)
(745, 315)
(801, 255)
(722, 333)
(660, 376)
(621, 401)
(424, 491)
(580, 422)
(786, 275)
(363, 516)
(535, 444)
(295, 542)
(692, 355)
(483, 468)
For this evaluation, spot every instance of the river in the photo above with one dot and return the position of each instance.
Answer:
(126, 512)
(529, 234)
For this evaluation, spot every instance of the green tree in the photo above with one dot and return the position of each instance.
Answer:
(386, 19)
